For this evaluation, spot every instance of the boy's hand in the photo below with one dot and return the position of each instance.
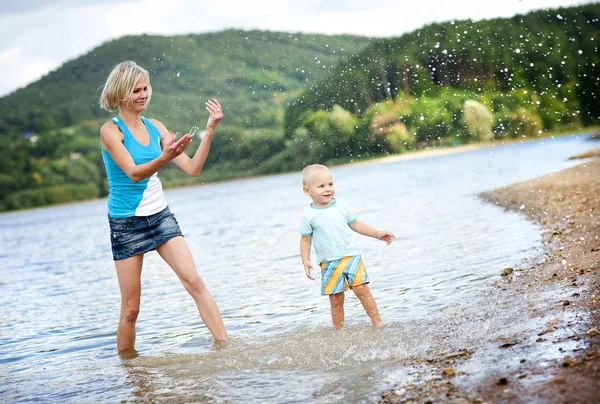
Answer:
(307, 267)
(386, 236)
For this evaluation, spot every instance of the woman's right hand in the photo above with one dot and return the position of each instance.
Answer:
(175, 147)
(216, 114)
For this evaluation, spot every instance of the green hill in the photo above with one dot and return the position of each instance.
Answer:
(292, 99)
(250, 72)
(49, 149)
(454, 83)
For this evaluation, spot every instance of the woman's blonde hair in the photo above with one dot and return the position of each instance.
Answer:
(120, 83)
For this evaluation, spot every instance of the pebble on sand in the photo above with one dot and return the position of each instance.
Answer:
(448, 372)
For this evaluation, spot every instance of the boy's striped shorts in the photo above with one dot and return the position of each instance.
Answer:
(339, 275)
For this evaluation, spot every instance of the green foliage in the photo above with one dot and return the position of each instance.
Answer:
(331, 130)
(295, 99)
(519, 123)
(301, 150)
(30, 198)
(431, 120)
(383, 128)
(49, 130)
(478, 120)
(342, 122)
(510, 63)
(554, 113)
(246, 71)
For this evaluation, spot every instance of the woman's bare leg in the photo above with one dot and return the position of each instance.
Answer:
(368, 302)
(177, 254)
(129, 273)
(337, 309)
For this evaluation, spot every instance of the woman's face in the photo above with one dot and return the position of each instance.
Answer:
(139, 98)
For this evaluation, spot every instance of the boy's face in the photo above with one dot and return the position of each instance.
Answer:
(320, 188)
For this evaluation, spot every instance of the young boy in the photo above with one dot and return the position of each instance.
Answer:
(328, 223)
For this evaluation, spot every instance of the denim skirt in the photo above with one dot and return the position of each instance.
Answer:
(130, 236)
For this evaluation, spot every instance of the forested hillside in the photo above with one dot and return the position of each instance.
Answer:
(247, 70)
(49, 144)
(455, 83)
(292, 99)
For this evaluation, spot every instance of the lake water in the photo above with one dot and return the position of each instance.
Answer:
(60, 298)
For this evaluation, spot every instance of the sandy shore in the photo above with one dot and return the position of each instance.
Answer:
(555, 357)
(444, 151)
(423, 153)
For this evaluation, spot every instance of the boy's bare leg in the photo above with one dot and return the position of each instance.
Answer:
(368, 302)
(337, 310)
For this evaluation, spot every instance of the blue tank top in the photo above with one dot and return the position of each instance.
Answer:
(127, 198)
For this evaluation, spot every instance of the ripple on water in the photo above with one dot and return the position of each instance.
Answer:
(61, 300)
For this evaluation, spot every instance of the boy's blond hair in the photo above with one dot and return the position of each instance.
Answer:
(309, 170)
(120, 83)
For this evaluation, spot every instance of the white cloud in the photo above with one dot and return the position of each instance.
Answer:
(7, 55)
(21, 70)
(35, 40)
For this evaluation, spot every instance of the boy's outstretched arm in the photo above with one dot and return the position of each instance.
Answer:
(305, 243)
(367, 230)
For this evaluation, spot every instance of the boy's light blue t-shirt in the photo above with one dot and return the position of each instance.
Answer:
(330, 229)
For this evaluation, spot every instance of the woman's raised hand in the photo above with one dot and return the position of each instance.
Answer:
(216, 114)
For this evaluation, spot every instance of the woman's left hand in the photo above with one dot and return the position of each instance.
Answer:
(216, 114)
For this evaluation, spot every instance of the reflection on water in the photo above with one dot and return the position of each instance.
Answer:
(61, 301)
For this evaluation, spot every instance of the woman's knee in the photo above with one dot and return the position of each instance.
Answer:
(130, 312)
(194, 285)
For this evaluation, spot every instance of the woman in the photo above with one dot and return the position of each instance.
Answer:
(134, 149)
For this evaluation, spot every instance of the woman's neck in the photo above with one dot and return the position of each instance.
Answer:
(131, 118)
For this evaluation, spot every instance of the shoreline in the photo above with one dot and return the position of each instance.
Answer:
(557, 358)
(418, 154)
(412, 155)
(443, 151)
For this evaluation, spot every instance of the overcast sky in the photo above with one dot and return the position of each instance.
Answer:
(37, 36)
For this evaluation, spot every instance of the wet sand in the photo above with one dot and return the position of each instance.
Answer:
(555, 357)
